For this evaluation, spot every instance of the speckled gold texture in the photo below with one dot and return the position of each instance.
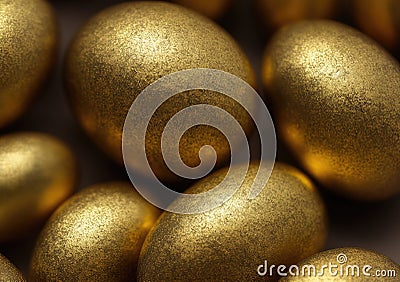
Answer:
(28, 44)
(336, 98)
(37, 173)
(276, 14)
(8, 272)
(380, 19)
(284, 224)
(123, 49)
(94, 236)
(210, 8)
(355, 257)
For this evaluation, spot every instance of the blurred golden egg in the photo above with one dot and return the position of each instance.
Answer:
(28, 35)
(380, 19)
(8, 272)
(345, 264)
(123, 49)
(279, 13)
(336, 98)
(94, 236)
(37, 173)
(210, 8)
(284, 224)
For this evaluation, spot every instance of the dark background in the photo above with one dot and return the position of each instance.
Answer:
(371, 226)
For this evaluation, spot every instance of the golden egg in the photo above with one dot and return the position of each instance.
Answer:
(211, 8)
(123, 49)
(95, 236)
(28, 34)
(336, 98)
(8, 272)
(380, 19)
(37, 173)
(284, 224)
(279, 13)
(345, 264)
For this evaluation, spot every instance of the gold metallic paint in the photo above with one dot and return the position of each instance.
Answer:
(37, 173)
(336, 98)
(284, 224)
(8, 272)
(95, 236)
(125, 48)
(28, 36)
(355, 257)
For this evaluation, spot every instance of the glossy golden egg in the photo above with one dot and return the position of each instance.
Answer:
(345, 264)
(336, 98)
(210, 8)
(28, 35)
(380, 19)
(276, 14)
(37, 173)
(123, 49)
(94, 236)
(284, 224)
(8, 272)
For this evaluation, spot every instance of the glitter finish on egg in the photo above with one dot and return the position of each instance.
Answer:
(211, 8)
(380, 19)
(125, 48)
(349, 260)
(94, 236)
(276, 14)
(8, 272)
(37, 173)
(284, 224)
(28, 34)
(336, 98)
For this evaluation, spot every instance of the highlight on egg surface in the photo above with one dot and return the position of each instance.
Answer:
(8, 272)
(336, 99)
(124, 49)
(37, 173)
(95, 236)
(28, 36)
(345, 264)
(284, 224)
